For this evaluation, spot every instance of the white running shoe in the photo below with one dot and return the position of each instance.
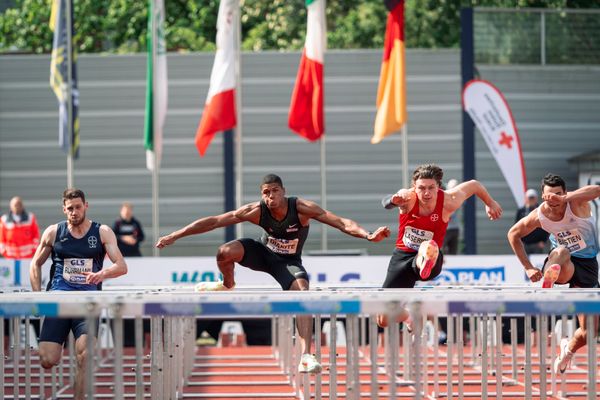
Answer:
(563, 360)
(409, 324)
(309, 364)
(211, 287)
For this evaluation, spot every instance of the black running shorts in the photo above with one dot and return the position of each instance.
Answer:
(585, 274)
(285, 270)
(403, 271)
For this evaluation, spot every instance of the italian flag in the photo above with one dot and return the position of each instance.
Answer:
(219, 111)
(391, 93)
(306, 108)
(156, 84)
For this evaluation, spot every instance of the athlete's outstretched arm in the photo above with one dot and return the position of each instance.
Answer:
(581, 195)
(249, 212)
(460, 193)
(519, 230)
(39, 258)
(403, 199)
(118, 268)
(346, 225)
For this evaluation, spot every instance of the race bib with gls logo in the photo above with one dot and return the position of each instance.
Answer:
(571, 239)
(413, 237)
(73, 269)
(282, 246)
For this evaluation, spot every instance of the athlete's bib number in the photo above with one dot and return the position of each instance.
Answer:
(282, 246)
(74, 268)
(571, 239)
(413, 237)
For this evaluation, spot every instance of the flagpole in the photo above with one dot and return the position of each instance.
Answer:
(70, 173)
(155, 220)
(323, 192)
(238, 130)
(404, 134)
(323, 160)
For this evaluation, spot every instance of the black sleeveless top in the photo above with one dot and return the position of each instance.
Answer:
(71, 256)
(286, 237)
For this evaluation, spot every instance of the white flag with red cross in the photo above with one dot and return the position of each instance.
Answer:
(490, 112)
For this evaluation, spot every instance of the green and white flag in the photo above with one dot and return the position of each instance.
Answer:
(156, 87)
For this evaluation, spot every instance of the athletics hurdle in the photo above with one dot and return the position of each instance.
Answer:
(174, 310)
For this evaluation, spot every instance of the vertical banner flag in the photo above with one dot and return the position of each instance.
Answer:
(59, 75)
(219, 111)
(391, 93)
(156, 84)
(306, 108)
(490, 112)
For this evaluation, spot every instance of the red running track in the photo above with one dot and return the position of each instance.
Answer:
(254, 373)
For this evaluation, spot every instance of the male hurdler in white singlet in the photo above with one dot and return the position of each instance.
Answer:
(568, 218)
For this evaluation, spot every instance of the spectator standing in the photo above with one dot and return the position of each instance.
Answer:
(19, 232)
(129, 232)
(535, 242)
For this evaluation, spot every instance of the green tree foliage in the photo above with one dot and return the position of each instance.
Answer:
(26, 27)
(356, 24)
(120, 25)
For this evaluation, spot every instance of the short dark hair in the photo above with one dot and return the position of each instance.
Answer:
(73, 193)
(553, 181)
(428, 171)
(271, 178)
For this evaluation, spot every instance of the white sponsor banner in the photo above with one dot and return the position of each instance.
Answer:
(367, 270)
(490, 112)
(7, 272)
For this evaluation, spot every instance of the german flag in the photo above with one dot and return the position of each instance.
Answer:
(391, 93)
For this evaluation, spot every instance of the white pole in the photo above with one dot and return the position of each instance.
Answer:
(323, 162)
(239, 187)
(404, 132)
(70, 173)
(155, 218)
(323, 192)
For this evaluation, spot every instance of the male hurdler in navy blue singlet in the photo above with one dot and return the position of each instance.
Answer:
(285, 221)
(77, 247)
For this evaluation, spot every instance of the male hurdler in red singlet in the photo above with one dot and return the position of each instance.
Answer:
(425, 210)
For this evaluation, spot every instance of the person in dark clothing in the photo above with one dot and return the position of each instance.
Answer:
(535, 242)
(129, 232)
(285, 221)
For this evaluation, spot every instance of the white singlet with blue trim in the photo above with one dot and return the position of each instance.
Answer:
(578, 235)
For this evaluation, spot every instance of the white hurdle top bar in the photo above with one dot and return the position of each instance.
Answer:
(266, 301)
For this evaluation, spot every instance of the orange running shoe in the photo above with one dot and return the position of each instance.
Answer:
(551, 275)
(427, 257)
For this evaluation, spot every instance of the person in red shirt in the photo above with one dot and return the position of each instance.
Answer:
(19, 232)
(425, 210)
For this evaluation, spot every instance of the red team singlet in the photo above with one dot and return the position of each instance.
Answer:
(413, 229)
